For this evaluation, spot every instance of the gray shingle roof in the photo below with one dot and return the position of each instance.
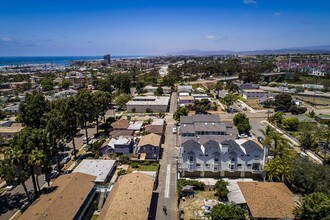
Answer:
(210, 126)
(250, 146)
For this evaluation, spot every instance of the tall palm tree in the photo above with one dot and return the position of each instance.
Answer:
(36, 159)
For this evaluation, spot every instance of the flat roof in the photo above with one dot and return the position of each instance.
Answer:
(137, 125)
(130, 198)
(158, 121)
(69, 194)
(149, 100)
(254, 90)
(99, 168)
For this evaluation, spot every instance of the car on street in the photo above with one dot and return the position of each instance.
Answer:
(9, 188)
(86, 140)
(242, 135)
(52, 175)
(74, 151)
(174, 130)
(65, 160)
(261, 140)
(24, 206)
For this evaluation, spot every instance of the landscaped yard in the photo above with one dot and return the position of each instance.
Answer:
(312, 100)
(151, 167)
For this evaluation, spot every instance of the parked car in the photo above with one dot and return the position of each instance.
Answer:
(24, 206)
(52, 175)
(67, 171)
(73, 151)
(174, 130)
(10, 187)
(261, 139)
(65, 160)
(242, 135)
(86, 140)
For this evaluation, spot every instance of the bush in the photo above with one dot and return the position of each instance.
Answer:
(123, 159)
(290, 124)
(221, 189)
(184, 182)
(272, 84)
(147, 162)
(135, 165)
(121, 172)
(295, 110)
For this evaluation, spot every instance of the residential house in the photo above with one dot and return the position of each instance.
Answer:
(252, 93)
(102, 169)
(313, 86)
(119, 133)
(13, 109)
(148, 147)
(130, 198)
(184, 90)
(5, 123)
(119, 145)
(268, 200)
(186, 100)
(208, 148)
(135, 125)
(10, 132)
(152, 89)
(70, 199)
(157, 126)
(148, 104)
(121, 124)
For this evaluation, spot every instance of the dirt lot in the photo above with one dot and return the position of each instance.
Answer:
(254, 103)
(194, 205)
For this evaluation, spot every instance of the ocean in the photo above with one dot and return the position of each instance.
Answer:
(59, 60)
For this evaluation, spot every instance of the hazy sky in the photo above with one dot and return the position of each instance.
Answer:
(157, 27)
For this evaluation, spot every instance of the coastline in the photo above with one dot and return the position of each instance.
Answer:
(10, 61)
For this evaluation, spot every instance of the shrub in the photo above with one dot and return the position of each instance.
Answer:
(135, 165)
(184, 182)
(221, 189)
(121, 172)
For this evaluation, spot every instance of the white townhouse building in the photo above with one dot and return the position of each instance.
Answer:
(208, 148)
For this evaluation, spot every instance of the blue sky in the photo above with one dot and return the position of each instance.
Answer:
(158, 27)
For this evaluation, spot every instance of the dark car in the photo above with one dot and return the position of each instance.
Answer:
(25, 206)
(261, 139)
(73, 151)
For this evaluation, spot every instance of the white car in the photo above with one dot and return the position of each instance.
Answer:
(174, 130)
(9, 188)
(85, 140)
(243, 135)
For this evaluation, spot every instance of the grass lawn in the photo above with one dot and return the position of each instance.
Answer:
(254, 103)
(310, 80)
(148, 168)
(316, 101)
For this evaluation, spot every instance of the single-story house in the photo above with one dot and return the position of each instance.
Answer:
(121, 124)
(102, 169)
(186, 100)
(135, 126)
(268, 200)
(148, 104)
(13, 109)
(148, 147)
(70, 199)
(130, 198)
(119, 145)
(184, 90)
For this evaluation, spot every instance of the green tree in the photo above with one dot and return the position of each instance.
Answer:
(85, 109)
(47, 84)
(315, 206)
(307, 135)
(277, 118)
(221, 189)
(181, 111)
(242, 123)
(159, 91)
(33, 109)
(101, 103)
(278, 169)
(65, 84)
(283, 102)
(121, 100)
(229, 211)
(202, 106)
(229, 99)
(290, 124)
(13, 171)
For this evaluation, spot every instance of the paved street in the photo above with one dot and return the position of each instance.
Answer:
(168, 169)
(168, 175)
(12, 200)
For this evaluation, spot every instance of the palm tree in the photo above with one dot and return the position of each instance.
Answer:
(278, 169)
(275, 141)
(36, 159)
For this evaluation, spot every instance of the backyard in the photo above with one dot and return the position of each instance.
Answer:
(254, 103)
(193, 206)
